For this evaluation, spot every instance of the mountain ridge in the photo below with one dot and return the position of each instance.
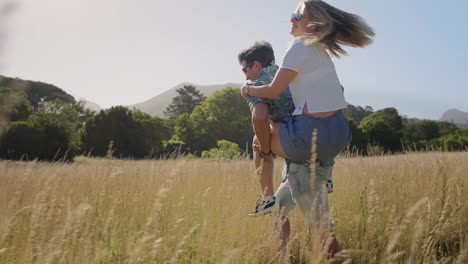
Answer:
(455, 116)
(156, 105)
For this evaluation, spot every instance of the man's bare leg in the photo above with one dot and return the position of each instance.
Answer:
(264, 168)
(263, 161)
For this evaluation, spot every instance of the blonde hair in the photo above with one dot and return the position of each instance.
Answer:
(333, 27)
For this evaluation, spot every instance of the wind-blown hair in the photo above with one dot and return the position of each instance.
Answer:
(333, 27)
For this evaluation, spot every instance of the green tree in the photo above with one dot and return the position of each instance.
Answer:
(60, 124)
(359, 140)
(183, 129)
(58, 112)
(115, 125)
(84, 113)
(446, 128)
(153, 131)
(49, 134)
(37, 92)
(456, 141)
(224, 115)
(420, 134)
(133, 133)
(357, 113)
(14, 104)
(384, 128)
(59, 143)
(187, 99)
(22, 139)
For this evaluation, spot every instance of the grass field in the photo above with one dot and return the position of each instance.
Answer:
(389, 209)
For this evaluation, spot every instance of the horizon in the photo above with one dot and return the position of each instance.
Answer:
(149, 47)
(227, 85)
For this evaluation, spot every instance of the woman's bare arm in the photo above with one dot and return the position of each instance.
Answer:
(271, 91)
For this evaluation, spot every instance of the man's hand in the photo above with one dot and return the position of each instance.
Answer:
(245, 90)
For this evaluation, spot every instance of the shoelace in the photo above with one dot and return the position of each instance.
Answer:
(261, 202)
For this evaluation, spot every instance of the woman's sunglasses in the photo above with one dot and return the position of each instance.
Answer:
(297, 16)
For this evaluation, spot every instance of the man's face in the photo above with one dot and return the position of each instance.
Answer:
(252, 70)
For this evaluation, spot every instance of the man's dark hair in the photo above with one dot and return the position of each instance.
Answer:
(260, 51)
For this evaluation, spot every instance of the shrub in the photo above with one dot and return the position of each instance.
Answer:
(225, 150)
(30, 140)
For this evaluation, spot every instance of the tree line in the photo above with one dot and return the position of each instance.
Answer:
(41, 121)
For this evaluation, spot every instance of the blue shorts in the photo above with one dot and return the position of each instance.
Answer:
(333, 136)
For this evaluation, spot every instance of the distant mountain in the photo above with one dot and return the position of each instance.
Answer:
(455, 116)
(91, 106)
(156, 105)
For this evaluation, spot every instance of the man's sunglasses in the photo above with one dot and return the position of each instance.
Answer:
(246, 67)
(297, 16)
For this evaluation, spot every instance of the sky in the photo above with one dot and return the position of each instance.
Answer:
(122, 52)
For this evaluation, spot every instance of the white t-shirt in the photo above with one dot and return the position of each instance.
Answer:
(316, 82)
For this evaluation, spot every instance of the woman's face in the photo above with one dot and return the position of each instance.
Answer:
(299, 21)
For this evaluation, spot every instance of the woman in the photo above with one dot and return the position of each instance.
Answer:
(319, 30)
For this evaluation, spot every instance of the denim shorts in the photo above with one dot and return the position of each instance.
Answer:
(300, 186)
(333, 136)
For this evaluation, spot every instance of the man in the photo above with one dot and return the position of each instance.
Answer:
(258, 66)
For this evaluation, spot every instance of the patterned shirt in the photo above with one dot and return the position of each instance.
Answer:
(281, 107)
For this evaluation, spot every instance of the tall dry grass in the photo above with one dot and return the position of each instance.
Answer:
(387, 209)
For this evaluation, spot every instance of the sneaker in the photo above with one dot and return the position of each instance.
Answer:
(263, 206)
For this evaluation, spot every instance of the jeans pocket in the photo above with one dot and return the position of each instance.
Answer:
(324, 171)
